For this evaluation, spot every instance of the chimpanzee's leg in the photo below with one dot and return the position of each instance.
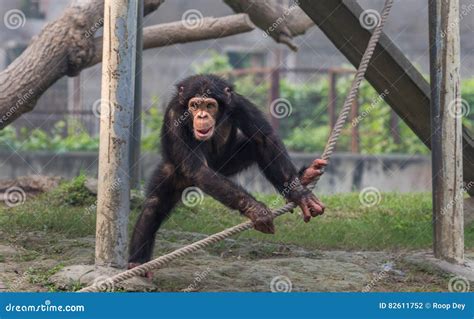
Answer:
(163, 194)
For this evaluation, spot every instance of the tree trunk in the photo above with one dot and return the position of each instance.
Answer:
(64, 47)
(67, 46)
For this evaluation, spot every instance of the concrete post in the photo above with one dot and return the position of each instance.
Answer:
(118, 72)
(136, 132)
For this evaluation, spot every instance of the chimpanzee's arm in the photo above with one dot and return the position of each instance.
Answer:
(193, 166)
(273, 158)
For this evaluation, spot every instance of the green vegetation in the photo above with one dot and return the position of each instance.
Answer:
(306, 129)
(60, 138)
(39, 276)
(398, 221)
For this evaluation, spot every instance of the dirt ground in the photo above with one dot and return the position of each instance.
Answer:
(33, 261)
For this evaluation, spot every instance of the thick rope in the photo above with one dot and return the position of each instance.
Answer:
(329, 149)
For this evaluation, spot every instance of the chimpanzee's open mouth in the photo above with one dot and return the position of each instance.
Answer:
(204, 133)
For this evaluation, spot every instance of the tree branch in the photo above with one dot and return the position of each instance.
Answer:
(177, 32)
(67, 46)
(281, 23)
(63, 47)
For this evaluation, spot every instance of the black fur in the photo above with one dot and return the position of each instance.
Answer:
(242, 137)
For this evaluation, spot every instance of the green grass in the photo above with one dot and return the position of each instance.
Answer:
(398, 221)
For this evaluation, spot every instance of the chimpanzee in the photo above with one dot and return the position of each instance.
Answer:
(211, 132)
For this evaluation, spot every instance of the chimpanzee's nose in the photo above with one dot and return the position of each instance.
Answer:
(202, 115)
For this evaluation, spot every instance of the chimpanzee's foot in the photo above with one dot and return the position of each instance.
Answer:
(148, 274)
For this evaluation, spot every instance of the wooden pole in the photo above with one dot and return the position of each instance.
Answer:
(118, 71)
(446, 130)
(136, 135)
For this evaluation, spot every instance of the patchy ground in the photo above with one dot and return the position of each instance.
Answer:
(28, 263)
(352, 247)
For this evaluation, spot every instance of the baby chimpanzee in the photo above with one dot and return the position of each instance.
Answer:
(211, 132)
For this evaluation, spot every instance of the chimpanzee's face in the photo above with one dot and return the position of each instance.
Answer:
(204, 112)
(206, 99)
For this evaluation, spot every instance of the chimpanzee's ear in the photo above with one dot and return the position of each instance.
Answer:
(228, 93)
(181, 95)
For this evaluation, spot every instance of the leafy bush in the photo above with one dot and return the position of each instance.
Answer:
(152, 122)
(75, 139)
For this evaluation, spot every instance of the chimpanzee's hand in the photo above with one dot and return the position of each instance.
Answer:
(262, 218)
(313, 171)
(310, 205)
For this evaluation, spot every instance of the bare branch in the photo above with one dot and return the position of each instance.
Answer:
(64, 47)
(281, 23)
(177, 32)
(67, 46)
